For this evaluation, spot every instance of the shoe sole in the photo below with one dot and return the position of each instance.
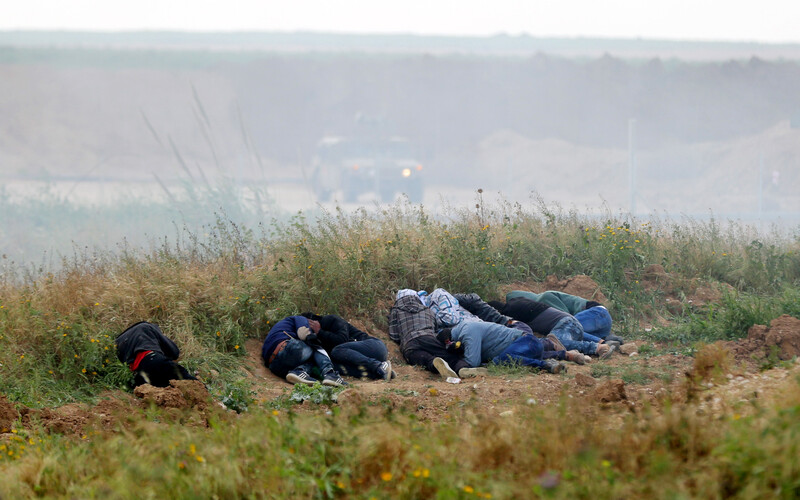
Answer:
(559, 346)
(444, 369)
(473, 372)
(332, 383)
(608, 353)
(387, 375)
(296, 379)
(578, 359)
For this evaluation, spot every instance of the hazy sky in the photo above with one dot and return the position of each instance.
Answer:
(750, 20)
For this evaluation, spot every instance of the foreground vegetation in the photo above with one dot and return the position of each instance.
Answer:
(211, 291)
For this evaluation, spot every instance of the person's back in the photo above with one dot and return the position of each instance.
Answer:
(150, 355)
(282, 330)
(483, 341)
(560, 300)
(412, 324)
(409, 319)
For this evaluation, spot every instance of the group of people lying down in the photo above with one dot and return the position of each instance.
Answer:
(452, 335)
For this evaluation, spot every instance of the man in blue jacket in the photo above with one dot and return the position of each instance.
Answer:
(287, 355)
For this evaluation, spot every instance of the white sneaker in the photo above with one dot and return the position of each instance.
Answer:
(444, 369)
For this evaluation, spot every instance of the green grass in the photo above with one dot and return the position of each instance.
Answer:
(212, 293)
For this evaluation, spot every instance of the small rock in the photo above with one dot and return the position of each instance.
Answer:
(633, 354)
(628, 348)
(729, 376)
(507, 413)
(531, 401)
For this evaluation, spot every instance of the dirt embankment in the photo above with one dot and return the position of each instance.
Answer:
(626, 382)
(187, 401)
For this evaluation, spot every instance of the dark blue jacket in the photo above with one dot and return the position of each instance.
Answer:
(283, 330)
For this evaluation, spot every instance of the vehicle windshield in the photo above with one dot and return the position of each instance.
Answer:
(344, 149)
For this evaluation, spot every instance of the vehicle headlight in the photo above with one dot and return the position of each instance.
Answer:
(406, 172)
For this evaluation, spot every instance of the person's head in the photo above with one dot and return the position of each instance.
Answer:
(445, 336)
(313, 320)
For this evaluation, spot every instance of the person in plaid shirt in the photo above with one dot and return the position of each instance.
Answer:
(412, 325)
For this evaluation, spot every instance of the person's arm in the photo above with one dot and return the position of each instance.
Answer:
(472, 349)
(473, 303)
(333, 331)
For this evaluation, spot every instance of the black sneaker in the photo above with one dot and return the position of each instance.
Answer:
(333, 380)
(300, 378)
(613, 338)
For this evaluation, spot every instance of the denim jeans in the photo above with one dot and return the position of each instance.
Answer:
(298, 356)
(570, 332)
(596, 321)
(526, 350)
(361, 358)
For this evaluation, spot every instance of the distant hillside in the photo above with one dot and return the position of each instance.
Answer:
(498, 45)
(106, 105)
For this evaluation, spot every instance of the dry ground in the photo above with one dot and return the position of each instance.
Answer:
(644, 374)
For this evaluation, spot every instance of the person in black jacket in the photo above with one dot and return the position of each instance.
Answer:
(150, 355)
(554, 324)
(353, 352)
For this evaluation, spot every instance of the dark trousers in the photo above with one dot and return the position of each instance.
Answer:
(297, 357)
(422, 351)
(156, 369)
(361, 358)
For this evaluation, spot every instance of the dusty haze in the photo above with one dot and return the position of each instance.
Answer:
(635, 129)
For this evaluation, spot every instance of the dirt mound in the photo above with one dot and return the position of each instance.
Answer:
(782, 337)
(8, 414)
(610, 391)
(67, 419)
(180, 394)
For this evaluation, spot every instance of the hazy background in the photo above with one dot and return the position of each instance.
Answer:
(139, 122)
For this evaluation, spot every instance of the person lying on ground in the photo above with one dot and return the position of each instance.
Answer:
(150, 355)
(485, 342)
(413, 326)
(548, 321)
(593, 316)
(353, 352)
(451, 310)
(493, 332)
(287, 355)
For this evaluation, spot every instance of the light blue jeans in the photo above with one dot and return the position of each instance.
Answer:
(570, 332)
(596, 323)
